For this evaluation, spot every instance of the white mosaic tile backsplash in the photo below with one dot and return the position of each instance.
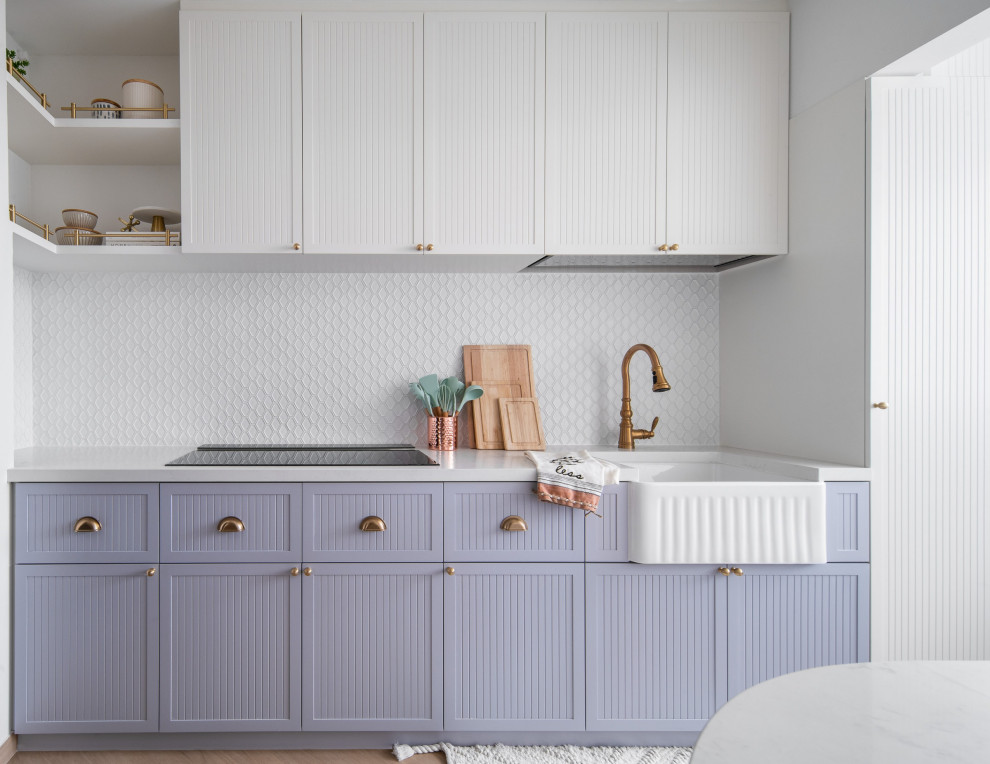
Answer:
(155, 359)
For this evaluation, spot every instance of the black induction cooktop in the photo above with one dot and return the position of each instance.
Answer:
(306, 455)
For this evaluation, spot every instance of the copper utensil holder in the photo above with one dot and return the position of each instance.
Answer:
(441, 433)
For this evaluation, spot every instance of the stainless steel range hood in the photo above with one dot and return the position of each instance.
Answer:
(641, 263)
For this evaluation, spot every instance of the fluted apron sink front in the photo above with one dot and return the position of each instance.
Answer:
(723, 514)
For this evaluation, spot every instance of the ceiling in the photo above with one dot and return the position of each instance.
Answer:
(95, 27)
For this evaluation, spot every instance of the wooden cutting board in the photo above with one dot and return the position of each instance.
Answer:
(522, 429)
(501, 365)
(487, 415)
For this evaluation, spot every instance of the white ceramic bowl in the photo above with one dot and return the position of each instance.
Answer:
(79, 219)
(87, 236)
(144, 94)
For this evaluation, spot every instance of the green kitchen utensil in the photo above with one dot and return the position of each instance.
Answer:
(431, 386)
(447, 400)
(417, 390)
(471, 393)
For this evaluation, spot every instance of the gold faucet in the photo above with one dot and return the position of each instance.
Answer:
(627, 435)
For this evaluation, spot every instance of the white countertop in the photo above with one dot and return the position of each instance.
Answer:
(146, 464)
(911, 712)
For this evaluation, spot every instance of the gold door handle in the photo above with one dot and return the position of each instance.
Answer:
(231, 525)
(880, 405)
(450, 571)
(662, 248)
(373, 524)
(307, 571)
(674, 247)
(514, 523)
(297, 246)
(151, 572)
(429, 247)
(87, 525)
(419, 247)
(724, 571)
(737, 571)
(294, 572)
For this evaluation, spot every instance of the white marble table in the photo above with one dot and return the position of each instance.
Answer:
(878, 713)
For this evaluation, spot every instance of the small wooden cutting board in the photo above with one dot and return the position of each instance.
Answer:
(500, 365)
(522, 428)
(487, 417)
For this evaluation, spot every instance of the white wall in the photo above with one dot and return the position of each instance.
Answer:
(793, 330)
(835, 43)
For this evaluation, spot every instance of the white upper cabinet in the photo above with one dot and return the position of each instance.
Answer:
(363, 132)
(727, 133)
(241, 131)
(484, 132)
(606, 133)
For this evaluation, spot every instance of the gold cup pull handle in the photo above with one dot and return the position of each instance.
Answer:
(724, 571)
(231, 525)
(373, 524)
(737, 571)
(87, 525)
(514, 523)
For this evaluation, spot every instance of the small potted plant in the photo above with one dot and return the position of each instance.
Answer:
(443, 401)
(19, 65)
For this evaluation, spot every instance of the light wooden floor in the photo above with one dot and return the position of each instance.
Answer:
(218, 757)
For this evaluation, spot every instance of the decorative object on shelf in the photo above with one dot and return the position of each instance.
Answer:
(19, 65)
(160, 217)
(522, 428)
(142, 94)
(443, 401)
(75, 218)
(16, 70)
(77, 235)
(130, 224)
(46, 231)
(504, 371)
(104, 108)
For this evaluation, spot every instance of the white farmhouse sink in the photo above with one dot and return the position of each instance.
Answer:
(710, 512)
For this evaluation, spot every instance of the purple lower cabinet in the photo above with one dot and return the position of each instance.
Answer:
(785, 618)
(231, 647)
(85, 649)
(372, 647)
(514, 646)
(656, 646)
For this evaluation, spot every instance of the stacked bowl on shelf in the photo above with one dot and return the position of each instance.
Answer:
(79, 228)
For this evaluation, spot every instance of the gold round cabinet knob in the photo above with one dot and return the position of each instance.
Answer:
(297, 246)
(674, 247)
(429, 247)
(450, 571)
(151, 572)
(724, 571)
(294, 572)
(737, 571)
(307, 571)
(662, 248)
(419, 247)
(880, 405)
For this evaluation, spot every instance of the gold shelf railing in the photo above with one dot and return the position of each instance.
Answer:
(15, 215)
(73, 109)
(18, 76)
(169, 237)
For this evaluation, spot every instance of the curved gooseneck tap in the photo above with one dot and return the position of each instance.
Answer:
(627, 435)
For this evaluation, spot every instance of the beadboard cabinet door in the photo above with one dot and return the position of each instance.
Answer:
(372, 647)
(484, 89)
(231, 647)
(85, 649)
(785, 618)
(363, 132)
(241, 77)
(727, 123)
(606, 145)
(656, 646)
(514, 646)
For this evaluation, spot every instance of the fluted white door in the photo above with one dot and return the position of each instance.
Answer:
(363, 132)
(484, 91)
(241, 131)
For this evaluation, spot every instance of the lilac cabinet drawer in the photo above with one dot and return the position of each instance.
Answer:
(605, 537)
(363, 522)
(481, 523)
(88, 522)
(231, 522)
(847, 515)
